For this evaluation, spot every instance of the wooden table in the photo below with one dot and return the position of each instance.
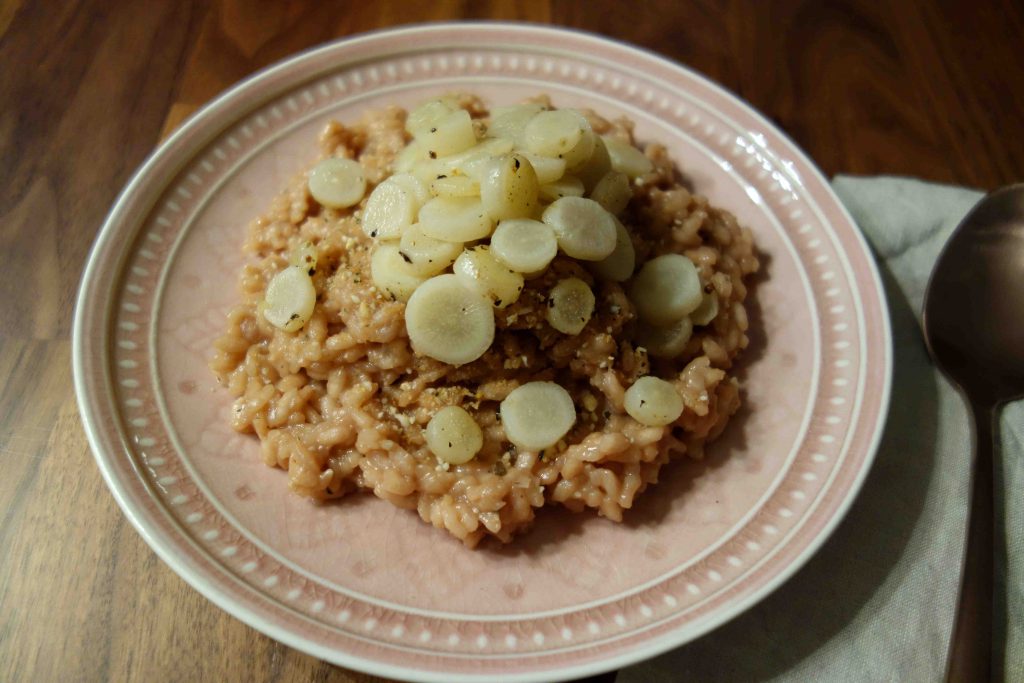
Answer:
(88, 88)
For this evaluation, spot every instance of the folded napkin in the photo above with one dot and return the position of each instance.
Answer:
(877, 602)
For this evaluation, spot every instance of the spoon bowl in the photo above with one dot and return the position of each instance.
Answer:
(973, 321)
(974, 305)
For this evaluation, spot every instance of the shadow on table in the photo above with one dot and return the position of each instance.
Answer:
(836, 584)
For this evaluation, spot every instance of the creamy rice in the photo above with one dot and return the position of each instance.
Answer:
(342, 404)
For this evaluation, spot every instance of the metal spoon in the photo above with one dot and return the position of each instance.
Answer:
(974, 327)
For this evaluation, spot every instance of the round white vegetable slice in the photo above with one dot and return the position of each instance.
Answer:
(455, 219)
(428, 115)
(508, 187)
(510, 122)
(445, 185)
(410, 157)
(501, 110)
(304, 256)
(451, 134)
(613, 192)
(537, 414)
(390, 209)
(410, 182)
(478, 270)
(554, 133)
(584, 229)
(570, 305)
(666, 289)
(596, 166)
(566, 186)
(619, 265)
(707, 311)
(425, 255)
(665, 342)
(524, 245)
(466, 161)
(393, 272)
(653, 402)
(427, 169)
(627, 159)
(548, 169)
(454, 436)
(337, 183)
(576, 157)
(449, 322)
(289, 299)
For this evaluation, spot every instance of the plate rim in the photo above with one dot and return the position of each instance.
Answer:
(197, 131)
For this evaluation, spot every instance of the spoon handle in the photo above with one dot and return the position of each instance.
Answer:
(970, 652)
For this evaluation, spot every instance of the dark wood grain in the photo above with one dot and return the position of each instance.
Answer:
(934, 90)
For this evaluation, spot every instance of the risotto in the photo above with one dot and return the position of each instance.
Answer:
(475, 313)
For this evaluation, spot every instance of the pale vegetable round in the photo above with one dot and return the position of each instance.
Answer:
(576, 157)
(392, 273)
(510, 122)
(289, 299)
(304, 256)
(445, 185)
(418, 188)
(337, 183)
(448, 321)
(566, 186)
(501, 110)
(449, 135)
(470, 162)
(481, 272)
(596, 166)
(619, 265)
(390, 209)
(454, 436)
(707, 311)
(582, 226)
(428, 115)
(666, 289)
(425, 255)
(411, 155)
(508, 187)
(461, 163)
(653, 402)
(554, 133)
(665, 342)
(524, 245)
(455, 219)
(537, 414)
(548, 169)
(570, 305)
(613, 192)
(627, 159)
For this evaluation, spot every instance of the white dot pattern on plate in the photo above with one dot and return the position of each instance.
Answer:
(744, 150)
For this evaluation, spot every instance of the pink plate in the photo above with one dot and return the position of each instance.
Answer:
(370, 587)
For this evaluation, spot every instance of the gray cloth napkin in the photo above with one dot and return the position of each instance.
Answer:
(877, 602)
